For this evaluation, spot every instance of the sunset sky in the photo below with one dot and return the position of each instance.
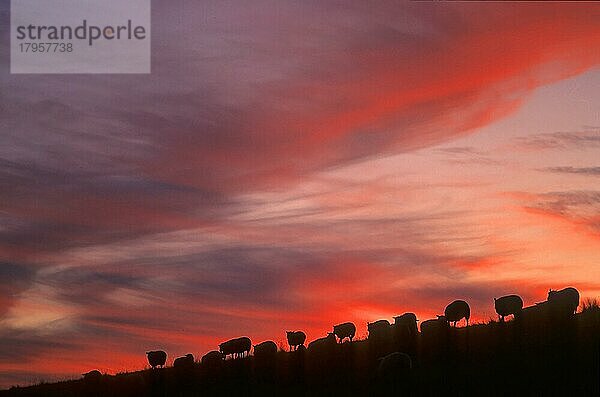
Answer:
(292, 165)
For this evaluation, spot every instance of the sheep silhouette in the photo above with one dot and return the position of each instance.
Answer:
(266, 349)
(380, 337)
(507, 305)
(265, 361)
(323, 343)
(456, 311)
(380, 329)
(185, 361)
(434, 339)
(156, 358)
(407, 322)
(212, 358)
(212, 366)
(321, 359)
(344, 330)
(406, 333)
(295, 339)
(434, 325)
(535, 315)
(563, 302)
(238, 347)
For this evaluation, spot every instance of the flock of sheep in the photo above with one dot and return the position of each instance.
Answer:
(559, 303)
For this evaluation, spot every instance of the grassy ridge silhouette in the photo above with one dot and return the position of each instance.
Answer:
(534, 355)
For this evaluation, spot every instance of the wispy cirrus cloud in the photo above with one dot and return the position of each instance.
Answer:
(14, 278)
(243, 111)
(467, 155)
(588, 138)
(588, 171)
(581, 208)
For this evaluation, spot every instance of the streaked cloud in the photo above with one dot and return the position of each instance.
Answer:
(579, 207)
(589, 171)
(588, 138)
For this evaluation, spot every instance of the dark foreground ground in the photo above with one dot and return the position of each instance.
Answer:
(541, 358)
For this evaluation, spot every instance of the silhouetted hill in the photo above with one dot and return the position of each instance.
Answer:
(536, 356)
